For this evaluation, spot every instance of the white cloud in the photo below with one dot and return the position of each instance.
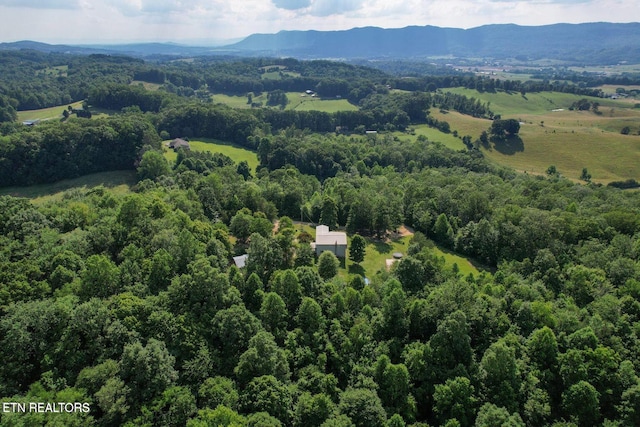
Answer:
(41, 4)
(291, 4)
(334, 7)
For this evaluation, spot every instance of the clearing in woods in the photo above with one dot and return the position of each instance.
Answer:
(119, 182)
(235, 152)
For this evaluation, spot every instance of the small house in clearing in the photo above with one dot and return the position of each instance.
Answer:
(179, 143)
(332, 241)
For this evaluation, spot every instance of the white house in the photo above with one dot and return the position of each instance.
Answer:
(241, 261)
(332, 241)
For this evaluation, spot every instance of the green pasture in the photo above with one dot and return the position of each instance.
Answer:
(46, 113)
(234, 101)
(119, 182)
(58, 71)
(275, 75)
(510, 104)
(303, 102)
(608, 69)
(146, 85)
(296, 102)
(432, 134)
(611, 89)
(570, 140)
(465, 125)
(235, 152)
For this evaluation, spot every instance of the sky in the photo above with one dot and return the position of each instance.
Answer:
(206, 22)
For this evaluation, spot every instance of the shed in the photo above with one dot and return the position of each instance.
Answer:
(241, 261)
(332, 241)
(179, 143)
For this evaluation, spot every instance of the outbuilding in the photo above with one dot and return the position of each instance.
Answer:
(332, 241)
(179, 143)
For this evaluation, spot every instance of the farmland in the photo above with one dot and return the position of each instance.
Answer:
(570, 140)
(297, 101)
(304, 102)
(46, 113)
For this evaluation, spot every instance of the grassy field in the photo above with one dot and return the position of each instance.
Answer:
(236, 152)
(117, 181)
(308, 103)
(532, 103)
(377, 253)
(146, 85)
(236, 101)
(45, 113)
(296, 102)
(570, 140)
(275, 75)
(55, 113)
(58, 71)
(611, 89)
(608, 69)
(432, 134)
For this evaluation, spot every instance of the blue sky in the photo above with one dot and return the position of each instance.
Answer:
(208, 21)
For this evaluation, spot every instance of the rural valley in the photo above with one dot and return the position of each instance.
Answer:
(238, 237)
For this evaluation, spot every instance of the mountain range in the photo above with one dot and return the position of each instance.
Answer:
(589, 43)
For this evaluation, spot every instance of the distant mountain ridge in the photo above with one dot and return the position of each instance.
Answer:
(597, 41)
(132, 49)
(590, 43)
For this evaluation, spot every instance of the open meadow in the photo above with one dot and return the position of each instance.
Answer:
(297, 101)
(55, 113)
(432, 134)
(551, 134)
(119, 182)
(235, 152)
(45, 113)
(304, 102)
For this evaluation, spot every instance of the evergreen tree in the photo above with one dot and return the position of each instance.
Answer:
(357, 249)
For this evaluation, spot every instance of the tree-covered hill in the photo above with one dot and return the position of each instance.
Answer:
(608, 43)
(132, 304)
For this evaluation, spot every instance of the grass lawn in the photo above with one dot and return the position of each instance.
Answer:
(377, 253)
(117, 181)
(236, 152)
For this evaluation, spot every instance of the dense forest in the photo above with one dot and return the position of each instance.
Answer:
(132, 303)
